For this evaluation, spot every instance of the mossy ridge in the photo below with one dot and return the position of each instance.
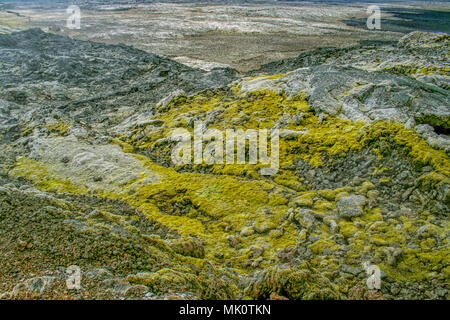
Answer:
(264, 107)
(316, 142)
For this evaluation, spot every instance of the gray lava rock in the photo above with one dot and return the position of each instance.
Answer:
(351, 206)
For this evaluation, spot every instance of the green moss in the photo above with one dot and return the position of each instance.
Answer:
(327, 194)
(321, 245)
(365, 187)
(43, 178)
(60, 127)
(347, 228)
(418, 71)
(208, 211)
(165, 280)
(415, 265)
(302, 282)
(433, 180)
(324, 206)
(305, 200)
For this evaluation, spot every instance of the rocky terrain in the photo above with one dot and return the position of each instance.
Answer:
(87, 177)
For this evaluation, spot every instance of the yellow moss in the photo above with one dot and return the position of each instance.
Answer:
(418, 71)
(408, 225)
(365, 187)
(415, 265)
(385, 180)
(212, 207)
(59, 127)
(373, 216)
(428, 243)
(341, 194)
(262, 109)
(347, 228)
(429, 181)
(321, 245)
(267, 77)
(39, 174)
(435, 257)
(327, 194)
(125, 146)
(373, 194)
(305, 200)
(420, 151)
(234, 202)
(322, 205)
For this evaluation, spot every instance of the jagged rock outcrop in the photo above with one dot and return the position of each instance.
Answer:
(60, 76)
(419, 55)
(342, 82)
(360, 95)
